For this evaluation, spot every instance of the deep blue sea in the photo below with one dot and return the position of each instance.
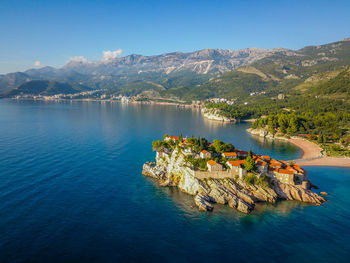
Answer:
(71, 190)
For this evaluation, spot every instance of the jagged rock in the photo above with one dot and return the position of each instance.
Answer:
(203, 202)
(292, 192)
(171, 170)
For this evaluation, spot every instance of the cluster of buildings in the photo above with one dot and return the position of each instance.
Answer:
(278, 169)
(256, 93)
(265, 165)
(222, 100)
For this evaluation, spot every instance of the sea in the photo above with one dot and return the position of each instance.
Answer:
(71, 190)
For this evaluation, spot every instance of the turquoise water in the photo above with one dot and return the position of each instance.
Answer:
(71, 190)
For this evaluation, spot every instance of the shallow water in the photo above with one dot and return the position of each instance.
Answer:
(71, 189)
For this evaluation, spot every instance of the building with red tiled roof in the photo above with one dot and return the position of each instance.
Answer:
(229, 155)
(236, 167)
(213, 166)
(275, 163)
(241, 153)
(235, 163)
(265, 157)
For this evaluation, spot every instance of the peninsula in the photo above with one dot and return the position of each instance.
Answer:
(219, 173)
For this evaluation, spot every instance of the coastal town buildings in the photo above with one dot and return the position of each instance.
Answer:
(230, 155)
(214, 166)
(234, 165)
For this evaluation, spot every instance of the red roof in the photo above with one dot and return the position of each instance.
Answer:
(289, 168)
(229, 154)
(241, 152)
(236, 163)
(204, 151)
(266, 157)
(284, 171)
(212, 162)
(273, 169)
(261, 163)
(276, 164)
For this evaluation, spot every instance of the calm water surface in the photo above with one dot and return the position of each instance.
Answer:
(71, 190)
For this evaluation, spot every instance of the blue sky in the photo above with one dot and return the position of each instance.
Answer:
(52, 32)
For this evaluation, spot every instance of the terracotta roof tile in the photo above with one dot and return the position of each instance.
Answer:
(229, 154)
(212, 162)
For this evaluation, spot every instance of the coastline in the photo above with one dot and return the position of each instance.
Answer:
(312, 155)
(165, 103)
(310, 149)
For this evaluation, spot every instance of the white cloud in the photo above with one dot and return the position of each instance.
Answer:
(37, 63)
(80, 59)
(107, 55)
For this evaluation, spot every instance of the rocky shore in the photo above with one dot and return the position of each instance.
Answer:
(264, 133)
(171, 169)
(213, 114)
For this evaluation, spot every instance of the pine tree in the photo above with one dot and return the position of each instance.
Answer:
(249, 164)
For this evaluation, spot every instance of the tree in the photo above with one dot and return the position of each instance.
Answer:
(228, 147)
(249, 164)
(157, 145)
(218, 144)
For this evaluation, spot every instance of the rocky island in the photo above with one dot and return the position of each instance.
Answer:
(219, 173)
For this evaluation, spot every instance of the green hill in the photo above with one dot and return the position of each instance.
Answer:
(44, 87)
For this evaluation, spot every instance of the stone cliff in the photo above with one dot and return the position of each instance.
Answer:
(213, 114)
(171, 169)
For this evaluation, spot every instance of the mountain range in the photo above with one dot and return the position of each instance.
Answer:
(195, 75)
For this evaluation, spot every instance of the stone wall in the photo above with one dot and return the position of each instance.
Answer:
(216, 174)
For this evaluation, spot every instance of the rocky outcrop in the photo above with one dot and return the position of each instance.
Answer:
(214, 114)
(264, 133)
(171, 169)
(204, 202)
(293, 192)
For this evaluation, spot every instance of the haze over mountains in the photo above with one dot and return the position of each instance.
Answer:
(194, 75)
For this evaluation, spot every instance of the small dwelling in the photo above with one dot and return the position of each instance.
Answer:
(235, 164)
(236, 167)
(213, 166)
(241, 153)
(261, 165)
(282, 175)
(230, 155)
(205, 154)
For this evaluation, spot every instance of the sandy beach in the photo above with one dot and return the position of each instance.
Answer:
(312, 155)
(310, 149)
(326, 161)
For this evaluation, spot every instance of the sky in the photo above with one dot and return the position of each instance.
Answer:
(50, 33)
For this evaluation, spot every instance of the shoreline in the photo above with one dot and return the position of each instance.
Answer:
(310, 150)
(312, 155)
(164, 103)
